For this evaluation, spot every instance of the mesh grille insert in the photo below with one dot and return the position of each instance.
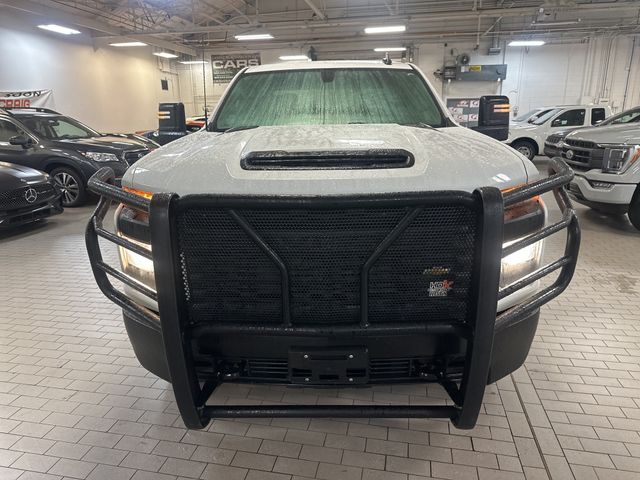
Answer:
(229, 278)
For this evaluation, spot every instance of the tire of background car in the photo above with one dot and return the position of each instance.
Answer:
(74, 193)
(525, 147)
(634, 209)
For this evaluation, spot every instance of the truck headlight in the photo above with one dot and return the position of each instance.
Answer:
(520, 263)
(136, 266)
(618, 159)
(101, 156)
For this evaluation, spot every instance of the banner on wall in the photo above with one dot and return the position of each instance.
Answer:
(225, 67)
(464, 110)
(26, 99)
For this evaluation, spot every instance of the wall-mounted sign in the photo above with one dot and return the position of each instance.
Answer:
(464, 110)
(26, 99)
(225, 67)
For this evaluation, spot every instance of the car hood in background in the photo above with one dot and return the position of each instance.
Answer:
(615, 134)
(14, 176)
(452, 158)
(107, 144)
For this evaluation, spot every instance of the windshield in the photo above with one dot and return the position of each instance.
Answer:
(59, 128)
(328, 97)
(543, 118)
(630, 116)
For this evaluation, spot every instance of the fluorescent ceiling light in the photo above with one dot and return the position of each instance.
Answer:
(128, 44)
(52, 27)
(390, 49)
(254, 36)
(389, 29)
(526, 43)
(294, 57)
(193, 62)
(165, 55)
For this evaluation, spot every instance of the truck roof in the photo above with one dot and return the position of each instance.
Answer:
(304, 65)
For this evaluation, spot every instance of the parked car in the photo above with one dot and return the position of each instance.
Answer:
(322, 232)
(606, 161)
(528, 138)
(195, 123)
(554, 143)
(26, 195)
(68, 150)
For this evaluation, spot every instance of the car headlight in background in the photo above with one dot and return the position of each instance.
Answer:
(618, 159)
(520, 263)
(101, 156)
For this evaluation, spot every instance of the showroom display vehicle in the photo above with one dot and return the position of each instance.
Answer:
(529, 137)
(606, 161)
(68, 150)
(333, 226)
(26, 195)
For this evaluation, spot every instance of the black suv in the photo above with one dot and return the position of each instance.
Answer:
(69, 151)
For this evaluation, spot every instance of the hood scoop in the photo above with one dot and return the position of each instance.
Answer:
(327, 160)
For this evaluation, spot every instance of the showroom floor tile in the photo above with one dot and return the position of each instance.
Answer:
(74, 402)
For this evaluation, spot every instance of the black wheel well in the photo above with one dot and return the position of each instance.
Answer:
(533, 143)
(50, 167)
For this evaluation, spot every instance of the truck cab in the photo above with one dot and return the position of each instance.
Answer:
(332, 226)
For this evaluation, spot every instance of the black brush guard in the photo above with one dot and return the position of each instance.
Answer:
(176, 329)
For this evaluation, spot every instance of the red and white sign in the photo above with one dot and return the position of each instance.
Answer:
(26, 99)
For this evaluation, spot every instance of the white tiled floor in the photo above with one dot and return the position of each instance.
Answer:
(74, 402)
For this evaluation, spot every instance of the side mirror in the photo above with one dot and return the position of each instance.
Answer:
(598, 122)
(493, 116)
(22, 140)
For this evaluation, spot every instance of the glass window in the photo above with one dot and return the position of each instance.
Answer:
(630, 116)
(570, 118)
(8, 130)
(597, 115)
(59, 128)
(546, 116)
(329, 97)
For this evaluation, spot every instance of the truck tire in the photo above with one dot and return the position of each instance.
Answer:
(526, 148)
(74, 192)
(634, 209)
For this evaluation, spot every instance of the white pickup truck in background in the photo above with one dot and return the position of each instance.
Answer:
(528, 137)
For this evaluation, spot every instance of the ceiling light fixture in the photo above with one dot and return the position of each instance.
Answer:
(526, 43)
(389, 29)
(52, 27)
(192, 62)
(556, 23)
(128, 44)
(254, 36)
(294, 57)
(390, 49)
(165, 55)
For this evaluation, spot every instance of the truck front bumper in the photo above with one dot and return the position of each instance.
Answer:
(600, 190)
(436, 321)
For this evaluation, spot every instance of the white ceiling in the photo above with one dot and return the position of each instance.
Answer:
(187, 26)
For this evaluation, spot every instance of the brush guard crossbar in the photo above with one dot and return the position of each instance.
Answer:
(177, 330)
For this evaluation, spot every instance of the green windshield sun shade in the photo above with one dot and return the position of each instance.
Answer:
(329, 97)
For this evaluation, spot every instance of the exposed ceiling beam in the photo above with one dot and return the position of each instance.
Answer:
(52, 12)
(315, 9)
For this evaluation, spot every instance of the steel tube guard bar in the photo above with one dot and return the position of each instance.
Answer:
(191, 395)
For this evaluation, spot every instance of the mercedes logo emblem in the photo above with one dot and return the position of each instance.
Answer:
(569, 154)
(31, 195)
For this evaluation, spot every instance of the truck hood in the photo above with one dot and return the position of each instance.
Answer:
(452, 158)
(614, 134)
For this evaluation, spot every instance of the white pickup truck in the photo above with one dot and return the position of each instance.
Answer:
(332, 226)
(606, 161)
(528, 137)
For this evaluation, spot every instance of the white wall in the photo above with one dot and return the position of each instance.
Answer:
(109, 89)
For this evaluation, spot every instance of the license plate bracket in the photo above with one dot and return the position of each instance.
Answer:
(329, 366)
